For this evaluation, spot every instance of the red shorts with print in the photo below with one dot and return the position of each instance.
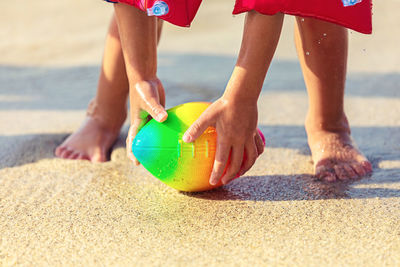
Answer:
(178, 12)
(353, 14)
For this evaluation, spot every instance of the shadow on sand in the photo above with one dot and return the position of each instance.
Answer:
(297, 187)
(27, 149)
(186, 77)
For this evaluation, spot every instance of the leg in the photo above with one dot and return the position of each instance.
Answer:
(322, 50)
(107, 111)
(260, 38)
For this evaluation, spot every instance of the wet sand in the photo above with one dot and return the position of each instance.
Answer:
(59, 212)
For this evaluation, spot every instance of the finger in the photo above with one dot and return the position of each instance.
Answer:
(220, 162)
(139, 119)
(156, 110)
(235, 164)
(161, 93)
(250, 159)
(156, 102)
(259, 143)
(144, 119)
(199, 126)
(152, 105)
(129, 140)
(148, 92)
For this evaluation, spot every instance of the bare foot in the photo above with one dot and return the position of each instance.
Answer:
(335, 155)
(93, 140)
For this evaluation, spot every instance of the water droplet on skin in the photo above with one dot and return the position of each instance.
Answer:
(307, 53)
(325, 34)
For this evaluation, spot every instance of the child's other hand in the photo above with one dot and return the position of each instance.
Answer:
(236, 123)
(147, 99)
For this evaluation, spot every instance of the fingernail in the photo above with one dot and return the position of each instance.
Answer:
(160, 116)
(187, 138)
(213, 182)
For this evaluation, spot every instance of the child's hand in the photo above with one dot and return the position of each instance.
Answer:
(147, 99)
(236, 123)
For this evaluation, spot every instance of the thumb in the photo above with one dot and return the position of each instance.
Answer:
(156, 110)
(197, 128)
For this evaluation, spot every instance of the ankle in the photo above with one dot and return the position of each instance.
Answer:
(334, 124)
(110, 118)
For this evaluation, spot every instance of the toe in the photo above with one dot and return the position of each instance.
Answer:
(329, 177)
(74, 155)
(350, 172)
(66, 153)
(59, 151)
(83, 156)
(367, 166)
(320, 171)
(358, 168)
(324, 173)
(340, 172)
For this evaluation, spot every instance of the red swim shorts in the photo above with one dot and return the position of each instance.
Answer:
(353, 14)
(178, 12)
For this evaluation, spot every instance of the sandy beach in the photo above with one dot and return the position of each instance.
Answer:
(56, 212)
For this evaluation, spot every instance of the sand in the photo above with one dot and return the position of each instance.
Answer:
(58, 212)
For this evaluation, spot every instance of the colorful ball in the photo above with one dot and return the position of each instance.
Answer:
(183, 166)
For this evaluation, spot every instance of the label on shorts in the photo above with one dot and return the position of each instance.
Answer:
(347, 3)
(160, 8)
